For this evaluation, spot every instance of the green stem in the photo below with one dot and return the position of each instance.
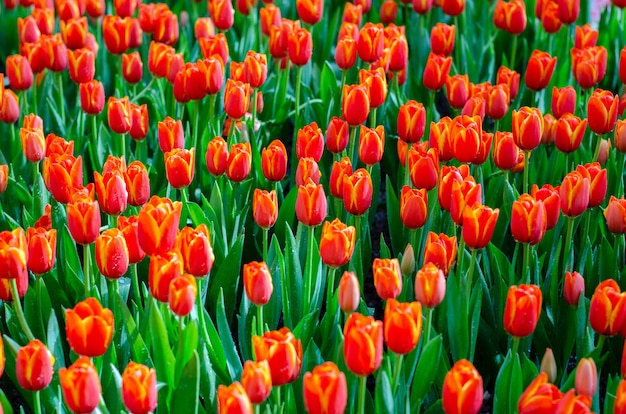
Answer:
(601, 342)
(373, 118)
(395, 82)
(254, 108)
(231, 133)
(212, 99)
(515, 345)
(586, 227)
(113, 292)
(351, 146)
(122, 146)
(407, 170)
(429, 324)
(430, 113)
(396, 372)
(87, 270)
(344, 75)
(196, 123)
(143, 91)
(568, 244)
(259, 319)
(34, 92)
(19, 313)
(361, 402)
(60, 102)
(298, 82)
(459, 258)
(526, 168)
(330, 286)
(265, 243)
(513, 52)
(136, 290)
(597, 150)
(470, 274)
(414, 242)
(526, 270)
(309, 267)
(37, 402)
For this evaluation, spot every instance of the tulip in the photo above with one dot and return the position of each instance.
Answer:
(158, 225)
(257, 281)
(61, 173)
(13, 254)
(371, 145)
(119, 115)
(166, 27)
(233, 399)
(398, 54)
(411, 121)
(402, 326)
(607, 310)
(300, 46)
(527, 128)
(255, 69)
(217, 156)
(539, 70)
(310, 11)
(357, 192)
(569, 10)
(129, 227)
(355, 104)
(586, 380)
(83, 216)
(222, 13)
(56, 53)
(132, 67)
(539, 396)
(430, 285)
(81, 386)
(257, 381)
(602, 111)
(439, 138)
(170, 134)
(33, 366)
(363, 344)
(615, 215)
(339, 170)
(478, 225)
(307, 169)
(33, 144)
(448, 176)
(436, 71)
(353, 13)
(310, 142)
(112, 255)
(497, 101)
(452, 8)
(81, 65)
(139, 388)
(239, 162)
(465, 193)
(440, 250)
(269, 15)
(162, 271)
(264, 208)
(273, 161)
(413, 207)
(337, 243)
(510, 16)
(283, 353)
(462, 389)
(89, 328)
(458, 90)
(370, 43)
(311, 204)
(137, 183)
(92, 97)
(216, 45)
(349, 292)
(2, 358)
(179, 167)
(442, 38)
(573, 288)
(325, 389)
(522, 310)
(27, 29)
(195, 248)
(182, 294)
(112, 191)
(510, 78)
(116, 34)
(19, 72)
(423, 167)
(236, 99)
(376, 83)
(563, 101)
(387, 278)
(422, 6)
(622, 65)
(574, 194)
(528, 220)
(41, 249)
(9, 106)
(337, 135)
(467, 133)
(550, 16)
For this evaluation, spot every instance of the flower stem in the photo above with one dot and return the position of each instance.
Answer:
(513, 52)
(526, 270)
(17, 306)
(37, 403)
(330, 286)
(265, 243)
(298, 82)
(373, 118)
(396, 372)
(526, 168)
(87, 270)
(470, 274)
(429, 323)
(212, 99)
(259, 319)
(196, 122)
(597, 150)
(60, 102)
(309, 267)
(568, 244)
(515, 346)
(351, 146)
(135, 280)
(407, 171)
(231, 132)
(430, 113)
(361, 402)
(459, 259)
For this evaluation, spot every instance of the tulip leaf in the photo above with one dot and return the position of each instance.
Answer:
(207, 374)
(393, 217)
(304, 329)
(508, 387)
(215, 349)
(458, 320)
(276, 264)
(292, 284)
(5, 405)
(187, 391)
(227, 278)
(164, 360)
(247, 324)
(54, 342)
(475, 306)
(226, 338)
(426, 371)
(384, 394)
(329, 88)
(130, 335)
(611, 391)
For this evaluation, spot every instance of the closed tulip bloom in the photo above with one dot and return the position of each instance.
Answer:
(510, 16)
(137, 183)
(573, 288)
(436, 71)
(119, 115)
(19, 72)
(467, 133)
(597, 182)
(357, 192)
(398, 53)
(376, 82)
(539, 397)
(464, 193)
(497, 102)
(81, 65)
(602, 111)
(363, 344)
(570, 131)
(112, 255)
(442, 38)
(370, 44)
(215, 45)
(574, 194)
(615, 215)
(139, 388)
(413, 207)
(510, 78)
(27, 29)
(339, 170)
(257, 281)
(311, 204)
(132, 67)
(527, 128)
(116, 34)
(9, 107)
(236, 99)
(549, 129)
(204, 28)
(462, 389)
(622, 65)
(264, 208)
(74, 32)
(586, 380)
(423, 167)
(551, 201)
(528, 220)
(607, 310)
(345, 53)
(13, 254)
(33, 144)
(569, 10)
(441, 251)
(387, 278)
(179, 167)
(158, 224)
(255, 69)
(348, 292)
(222, 13)
(353, 13)
(325, 390)
(563, 101)
(283, 353)
(439, 138)
(269, 15)
(300, 46)
(310, 11)
(411, 121)
(129, 227)
(619, 138)
(41, 249)
(479, 222)
(92, 97)
(239, 162)
(355, 104)
(475, 106)
(166, 27)
(430, 285)
(112, 191)
(182, 294)
(217, 156)
(452, 7)
(89, 328)
(337, 135)
(371, 144)
(83, 216)
(33, 366)
(539, 70)
(448, 176)
(550, 17)
(5, 287)
(256, 381)
(162, 271)
(522, 310)
(422, 6)
(458, 90)
(56, 53)
(402, 326)
(274, 161)
(337, 243)
(170, 134)
(61, 173)
(310, 142)
(196, 251)
(81, 386)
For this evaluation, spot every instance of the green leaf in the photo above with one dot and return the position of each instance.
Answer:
(292, 284)
(426, 370)
(304, 330)
(187, 391)
(384, 394)
(232, 358)
(163, 357)
(393, 218)
(227, 278)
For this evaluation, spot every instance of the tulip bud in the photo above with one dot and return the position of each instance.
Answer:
(387, 278)
(430, 285)
(19, 72)
(89, 328)
(182, 294)
(539, 70)
(300, 46)
(462, 389)
(337, 243)
(310, 142)
(239, 162)
(325, 389)
(363, 344)
(522, 310)
(355, 105)
(112, 255)
(338, 135)
(33, 366)
(257, 282)
(371, 145)
(345, 53)
(371, 42)
(436, 71)
(402, 326)
(479, 222)
(139, 388)
(548, 365)
(83, 216)
(217, 156)
(349, 292)
(81, 386)
(33, 144)
(311, 204)
(264, 208)
(586, 380)
(283, 353)
(442, 38)
(9, 106)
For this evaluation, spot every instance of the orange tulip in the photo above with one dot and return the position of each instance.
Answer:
(615, 215)
(376, 83)
(586, 380)
(112, 255)
(462, 389)
(217, 156)
(310, 11)
(222, 13)
(467, 133)
(257, 281)
(363, 344)
(349, 292)
(510, 78)
(269, 15)
(413, 207)
(33, 366)
(539, 397)
(423, 167)
(89, 328)
(139, 388)
(569, 10)
(179, 167)
(550, 16)
(311, 204)
(27, 29)
(622, 65)
(430, 285)
(56, 53)
(607, 311)
(569, 133)
(41, 249)
(458, 90)
(233, 399)
(465, 193)
(325, 389)
(371, 42)
(81, 65)
(112, 191)
(527, 128)
(411, 121)
(402, 326)
(129, 227)
(497, 101)
(19, 72)
(574, 193)
(450, 175)
(300, 46)
(387, 278)
(522, 310)
(539, 70)
(116, 34)
(357, 192)
(62, 173)
(528, 220)
(452, 8)
(439, 138)
(355, 105)
(81, 386)
(442, 38)
(353, 13)
(257, 381)
(182, 294)
(422, 6)
(83, 216)
(239, 162)
(371, 144)
(510, 16)
(170, 134)
(33, 143)
(163, 269)
(479, 222)
(310, 142)
(619, 406)
(337, 243)
(236, 98)
(602, 111)
(337, 135)
(436, 71)
(9, 106)
(119, 115)
(283, 353)
(158, 225)
(441, 251)
(132, 67)
(92, 97)
(563, 101)
(196, 251)
(307, 169)
(345, 52)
